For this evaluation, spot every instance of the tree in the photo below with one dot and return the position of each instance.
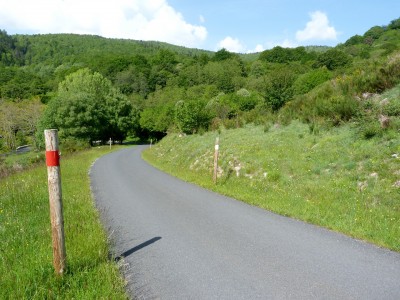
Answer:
(306, 82)
(354, 40)
(332, 59)
(373, 33)
(222, 54)
(395, 24)
(157, 119)
(279, 88)
(88, 107)
(31, 112)
(224, 74)
(190, 116)
(9, 124)
(285, 55)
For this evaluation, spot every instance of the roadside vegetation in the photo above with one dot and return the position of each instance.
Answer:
(333, 178)
(26, 269)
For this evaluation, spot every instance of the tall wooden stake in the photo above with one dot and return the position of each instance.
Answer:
(216, 160)
(55, 199)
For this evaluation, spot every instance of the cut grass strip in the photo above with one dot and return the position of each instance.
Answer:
(333, 179)
(26, 270)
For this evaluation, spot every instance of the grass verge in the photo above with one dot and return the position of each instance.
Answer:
(333, 178)
(26, 270)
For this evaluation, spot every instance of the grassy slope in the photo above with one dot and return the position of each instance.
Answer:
(26, 270)
(332, 179)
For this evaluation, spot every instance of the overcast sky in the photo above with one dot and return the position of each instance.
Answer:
(239, 26)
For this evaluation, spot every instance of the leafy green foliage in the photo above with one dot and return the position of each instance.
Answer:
(373, 34)
(18, 123)
(88, 107)
(354, 40)
(395, 24)
(190, 116)
(306, 82)
(285, 55)
(222, 54)
(279, 88)
(333, 59)
(11, 51)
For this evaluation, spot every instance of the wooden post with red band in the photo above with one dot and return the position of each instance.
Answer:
(55, 199)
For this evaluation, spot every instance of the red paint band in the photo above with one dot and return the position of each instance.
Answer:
(52, 158)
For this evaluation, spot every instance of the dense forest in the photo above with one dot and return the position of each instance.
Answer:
(93, 89)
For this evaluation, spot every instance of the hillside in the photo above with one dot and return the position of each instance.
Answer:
(159, 88)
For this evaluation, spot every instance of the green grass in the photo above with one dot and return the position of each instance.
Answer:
(334, 179)
(26, 270)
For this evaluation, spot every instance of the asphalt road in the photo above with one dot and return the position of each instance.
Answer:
(178, 241)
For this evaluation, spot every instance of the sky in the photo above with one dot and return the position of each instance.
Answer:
(241, 26)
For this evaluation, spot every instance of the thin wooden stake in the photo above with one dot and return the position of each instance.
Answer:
(216, 160)
(55, 199)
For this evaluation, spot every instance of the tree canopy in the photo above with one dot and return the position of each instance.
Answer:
(88, 107)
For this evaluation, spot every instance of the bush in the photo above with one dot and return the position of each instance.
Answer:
(370, 128)
(69, 145)
(392, 108)
(279, 88)
(333, 59)
(308, 81)
(337, 108)
(324, 102)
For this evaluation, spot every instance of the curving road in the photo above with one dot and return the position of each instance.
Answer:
(178, 241)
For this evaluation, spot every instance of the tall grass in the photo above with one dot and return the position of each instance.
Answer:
(26, 270)
(330, 178)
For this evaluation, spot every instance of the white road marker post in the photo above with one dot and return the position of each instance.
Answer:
(216, 160)
(55, 200)
(110, 141)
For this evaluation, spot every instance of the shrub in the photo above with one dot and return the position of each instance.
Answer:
(392, 108)
(333, 59)
(370, 128)
(279, 88)
(191, 116)
(69, 145)
(308, 81)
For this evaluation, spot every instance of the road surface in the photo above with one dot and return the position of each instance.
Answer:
(178, 241)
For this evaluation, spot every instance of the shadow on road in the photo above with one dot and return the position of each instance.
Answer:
(137, 248)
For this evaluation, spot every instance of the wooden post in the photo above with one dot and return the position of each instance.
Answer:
(55, 199)
(216, 160)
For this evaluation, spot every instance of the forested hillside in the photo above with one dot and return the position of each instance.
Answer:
(92, 88)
